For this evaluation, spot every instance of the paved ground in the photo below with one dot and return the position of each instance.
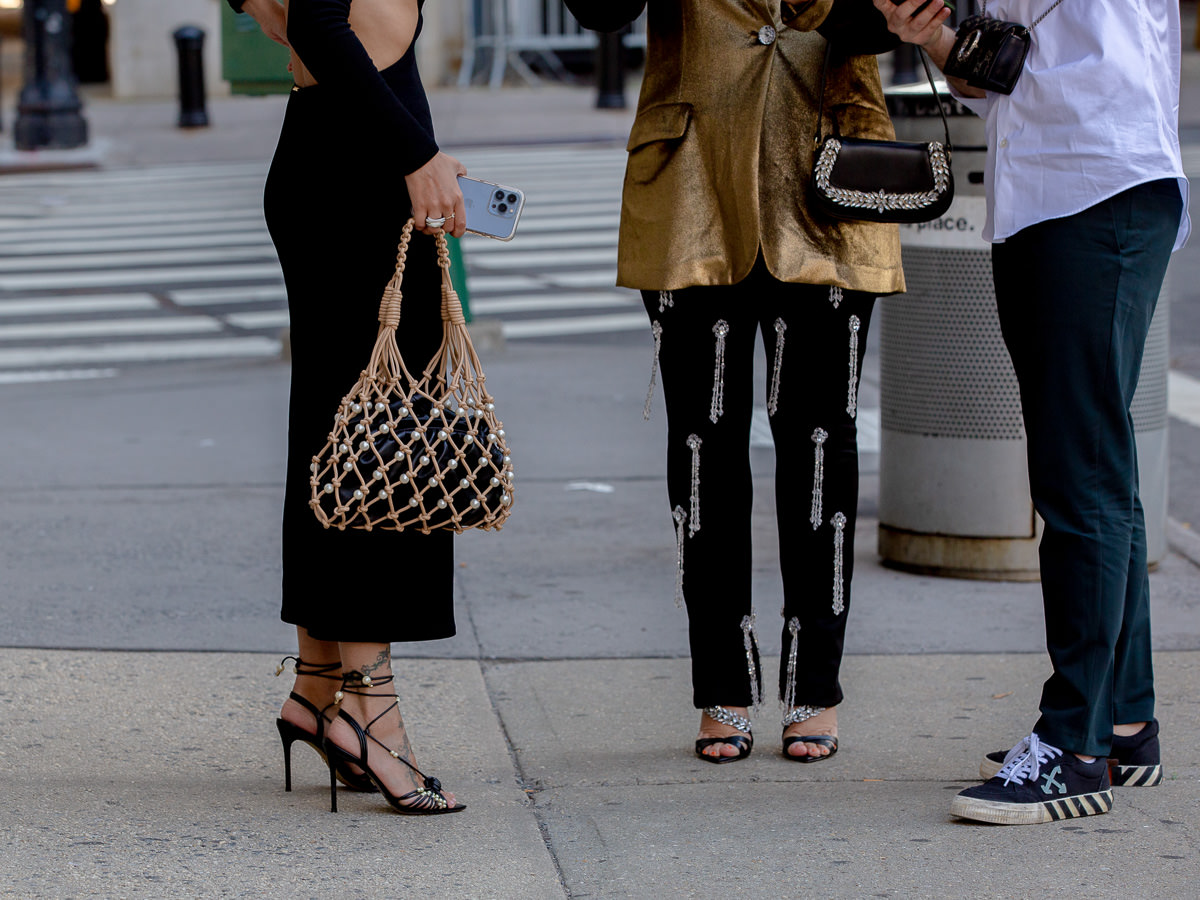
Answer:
(140, 573)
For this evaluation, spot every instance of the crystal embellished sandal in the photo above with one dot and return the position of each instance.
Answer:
(803, 714)
(743, 742)
(426, 800)
(289, 732)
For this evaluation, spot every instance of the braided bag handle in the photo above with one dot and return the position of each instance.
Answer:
(423, 453)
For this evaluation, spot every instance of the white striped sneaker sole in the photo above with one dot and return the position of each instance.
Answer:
(1134, 776)
(998, 813)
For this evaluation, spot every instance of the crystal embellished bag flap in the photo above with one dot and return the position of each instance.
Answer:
(422, 453)
(881, 181)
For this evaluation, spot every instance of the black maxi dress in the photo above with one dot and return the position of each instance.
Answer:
(335, 203)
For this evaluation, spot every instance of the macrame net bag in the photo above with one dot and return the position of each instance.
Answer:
(422, 453)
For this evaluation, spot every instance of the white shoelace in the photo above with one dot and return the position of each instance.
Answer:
(1024, 761)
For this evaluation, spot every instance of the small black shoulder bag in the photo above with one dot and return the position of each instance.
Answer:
(881, 181)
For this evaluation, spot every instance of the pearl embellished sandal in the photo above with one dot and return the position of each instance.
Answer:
(289, 732)
(426, 800)
(743, 742)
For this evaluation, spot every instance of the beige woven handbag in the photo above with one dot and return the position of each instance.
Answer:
(409, 453)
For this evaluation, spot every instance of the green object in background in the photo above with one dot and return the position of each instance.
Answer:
(458, 275)
(250, 61)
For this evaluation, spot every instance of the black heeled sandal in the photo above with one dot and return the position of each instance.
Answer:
(427, 800)
(801, 714)
(289, 732)
(743, 742)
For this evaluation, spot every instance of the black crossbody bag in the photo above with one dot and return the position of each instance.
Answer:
(990, 53)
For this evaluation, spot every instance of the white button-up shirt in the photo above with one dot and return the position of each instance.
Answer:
(1095, 112)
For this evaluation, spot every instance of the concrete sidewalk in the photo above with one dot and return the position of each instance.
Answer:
(158, 775)
(561, 713)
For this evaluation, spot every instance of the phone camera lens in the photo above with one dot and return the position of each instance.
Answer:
(499, 195)
(503, 207)
(512, 198)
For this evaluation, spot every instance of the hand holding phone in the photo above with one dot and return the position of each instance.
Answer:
(492, 209)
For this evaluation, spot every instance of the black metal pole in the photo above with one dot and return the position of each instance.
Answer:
(189, 44)
(49, 114)
(89, 38)
(610, 70)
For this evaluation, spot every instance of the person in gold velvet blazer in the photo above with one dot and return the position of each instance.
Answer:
(718, 234)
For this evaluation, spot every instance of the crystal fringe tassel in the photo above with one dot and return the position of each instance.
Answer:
(773, 399)
(818, 438)
(694, 443)
(717, 409)
(839, 538)
(789, 698)
(665, 299)
(835, 296)
(680, 516)
(852, 392)
(750, 640)
(656, 330)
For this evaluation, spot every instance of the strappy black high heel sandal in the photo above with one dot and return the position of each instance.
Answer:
(744, 743)
(427, 800)
(289, 732)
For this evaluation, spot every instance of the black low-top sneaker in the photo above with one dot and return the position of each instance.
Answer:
(1039, 783)
(1133, 761)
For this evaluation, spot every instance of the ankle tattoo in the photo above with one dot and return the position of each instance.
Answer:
(383, 661)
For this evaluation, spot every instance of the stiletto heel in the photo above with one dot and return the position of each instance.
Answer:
(426, 800)
(333, 789)
(289, 732)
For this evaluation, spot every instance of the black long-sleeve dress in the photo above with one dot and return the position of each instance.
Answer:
(335, 203)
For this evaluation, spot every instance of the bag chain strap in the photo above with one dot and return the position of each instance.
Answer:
(1038, 20)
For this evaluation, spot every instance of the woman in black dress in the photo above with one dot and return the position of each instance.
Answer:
(355, 155)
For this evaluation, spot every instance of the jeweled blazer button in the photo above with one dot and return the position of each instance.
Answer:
(766, 35)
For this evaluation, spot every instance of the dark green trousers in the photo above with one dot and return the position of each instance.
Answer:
(1075, 297)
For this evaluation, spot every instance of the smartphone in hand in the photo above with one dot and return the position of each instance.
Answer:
(492, 209)
(921, 8)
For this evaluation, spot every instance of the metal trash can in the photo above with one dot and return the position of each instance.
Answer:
(953, 480)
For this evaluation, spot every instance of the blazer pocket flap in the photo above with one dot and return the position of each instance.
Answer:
(664, 122)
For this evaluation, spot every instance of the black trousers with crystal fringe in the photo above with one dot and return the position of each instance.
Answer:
(812, 389)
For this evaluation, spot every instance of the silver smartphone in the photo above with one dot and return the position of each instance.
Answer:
(492, 209)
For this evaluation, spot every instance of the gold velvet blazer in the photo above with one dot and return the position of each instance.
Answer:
(721, 151)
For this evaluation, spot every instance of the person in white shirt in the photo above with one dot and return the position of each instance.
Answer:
(1086, 201)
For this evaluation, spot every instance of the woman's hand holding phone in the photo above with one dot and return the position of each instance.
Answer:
(435, 194)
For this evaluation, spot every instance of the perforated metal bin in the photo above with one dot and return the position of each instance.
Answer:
(953, 482)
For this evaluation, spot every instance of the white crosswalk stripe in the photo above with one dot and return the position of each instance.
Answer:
(105, 268)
